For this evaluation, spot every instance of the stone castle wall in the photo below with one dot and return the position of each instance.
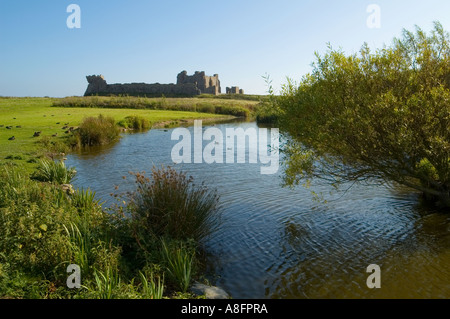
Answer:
(206, 84)
(187, 85)
(234, 90)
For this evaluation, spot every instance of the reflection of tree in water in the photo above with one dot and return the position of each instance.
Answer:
(414, 263)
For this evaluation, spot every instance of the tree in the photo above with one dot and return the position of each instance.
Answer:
(380, 115)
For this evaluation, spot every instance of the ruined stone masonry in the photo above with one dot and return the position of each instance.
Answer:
(234, 90)
(187, 85)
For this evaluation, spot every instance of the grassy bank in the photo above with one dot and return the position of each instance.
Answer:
(130, 251)
(26, 116)
(133, 250)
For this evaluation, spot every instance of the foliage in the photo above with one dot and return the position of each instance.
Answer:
(43, 230)
(267, 111)
(31, 231)
(170, 204)
(97, 131)
(135, 122)
(106, 284)
(179, 260)
(54, 172)
(152, 288)
(84, 199)
(246, 97)
(383, 114)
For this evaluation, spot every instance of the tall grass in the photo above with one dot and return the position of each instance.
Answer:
(84, 199)
(54, 172)
(94, 131)
(107, 284)
(170, 204)
(152, 288)
(136, 123)
(179, 261)
(227, 106)
(81, 246)
(42, 229)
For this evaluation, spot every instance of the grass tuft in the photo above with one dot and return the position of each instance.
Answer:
(170, 204)
(94, 131)
(54, 172)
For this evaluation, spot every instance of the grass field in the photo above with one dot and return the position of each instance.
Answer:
(26, 116)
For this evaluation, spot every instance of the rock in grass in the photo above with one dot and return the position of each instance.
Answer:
(210, 292)
(68, 188)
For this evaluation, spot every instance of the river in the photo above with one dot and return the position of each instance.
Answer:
(276, 242)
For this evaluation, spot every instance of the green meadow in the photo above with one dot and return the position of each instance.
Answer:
(26, 116)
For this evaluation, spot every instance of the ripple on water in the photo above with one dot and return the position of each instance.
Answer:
(279, 243)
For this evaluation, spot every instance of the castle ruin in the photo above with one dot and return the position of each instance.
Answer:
(234, 90)
(187, 85)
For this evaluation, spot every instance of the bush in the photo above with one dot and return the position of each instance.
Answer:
(169, 204)
(377, 114)
(136, 123)
(31, 229)
(41, 232)
(97, 131)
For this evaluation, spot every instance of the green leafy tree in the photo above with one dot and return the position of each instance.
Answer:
(380, 115)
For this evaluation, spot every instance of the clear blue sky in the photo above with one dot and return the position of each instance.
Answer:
(152, 41)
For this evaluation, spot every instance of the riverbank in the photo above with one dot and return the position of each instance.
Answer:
(45, 225)
(30, 127)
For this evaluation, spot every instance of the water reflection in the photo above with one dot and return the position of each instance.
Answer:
(280, 243)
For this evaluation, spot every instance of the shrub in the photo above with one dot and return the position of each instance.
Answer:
(169, 204)
(54, 172)
(380, 114)
(41, 232)
(31, 232)
(97, 131)
(136, 123)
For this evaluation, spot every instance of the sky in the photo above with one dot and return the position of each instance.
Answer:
(152, 41)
